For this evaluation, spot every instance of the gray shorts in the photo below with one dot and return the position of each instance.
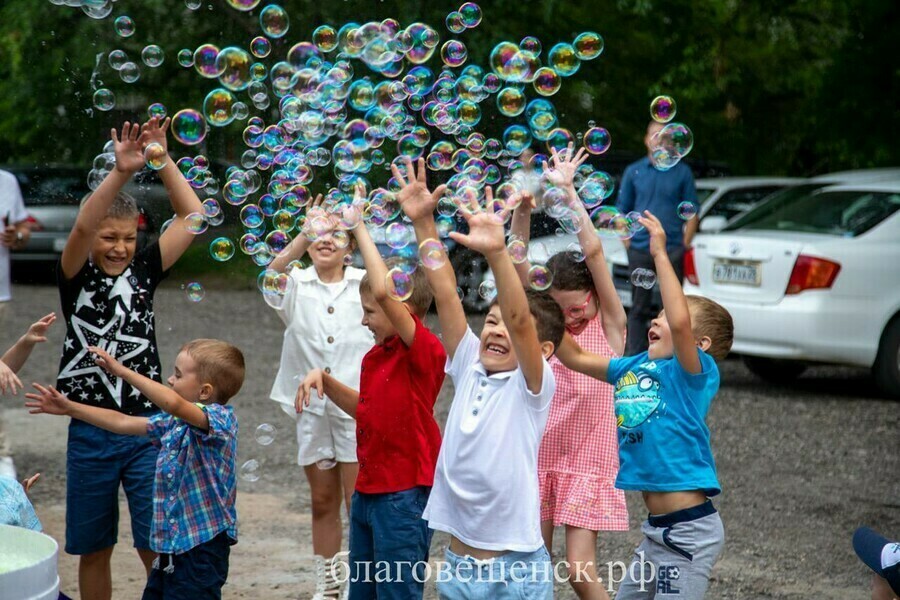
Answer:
(676, 556)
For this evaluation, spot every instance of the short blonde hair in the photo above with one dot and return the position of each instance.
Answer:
(710, 319)
(124, 206)
(219, 364)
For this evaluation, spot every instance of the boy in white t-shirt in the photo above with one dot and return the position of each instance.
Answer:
(485, 492)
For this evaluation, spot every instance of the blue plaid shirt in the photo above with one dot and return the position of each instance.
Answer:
(195, 486)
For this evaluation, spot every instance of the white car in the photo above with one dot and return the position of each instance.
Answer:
(813, 277)
(730, 196)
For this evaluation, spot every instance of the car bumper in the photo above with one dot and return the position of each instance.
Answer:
(813, 326)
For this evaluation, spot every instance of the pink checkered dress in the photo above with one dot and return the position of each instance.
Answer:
(579, 455)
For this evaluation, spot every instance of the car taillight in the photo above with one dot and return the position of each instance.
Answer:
(142, 222)
(811, 273)
(34, 224)
(690, 269)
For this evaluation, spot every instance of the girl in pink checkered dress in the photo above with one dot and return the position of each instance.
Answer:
(579, 456)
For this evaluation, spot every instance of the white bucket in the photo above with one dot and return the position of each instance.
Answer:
(27, 565)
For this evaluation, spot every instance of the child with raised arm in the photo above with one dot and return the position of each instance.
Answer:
(194, 520)
(106, 289)
(321, 312)
(579, 457)
(15, 357)
(661, 398)
(397, 436)
(485, 491)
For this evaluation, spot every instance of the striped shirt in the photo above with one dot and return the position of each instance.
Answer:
(195, 486)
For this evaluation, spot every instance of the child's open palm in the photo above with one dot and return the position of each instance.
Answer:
(38, 330)
(656, 231)
(48, 401)
(564, 165)
(105, 361)
(485, 227)
(415, 199)
(128, 148)
(154, 131)
(8, 379)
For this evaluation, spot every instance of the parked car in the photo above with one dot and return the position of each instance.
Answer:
(810, 277)
(52, 195)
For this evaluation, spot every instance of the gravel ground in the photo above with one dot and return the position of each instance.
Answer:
(801, 467)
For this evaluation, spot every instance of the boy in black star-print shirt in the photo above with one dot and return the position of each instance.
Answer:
(106, 289)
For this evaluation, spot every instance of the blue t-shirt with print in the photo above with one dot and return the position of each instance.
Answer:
(661, 415)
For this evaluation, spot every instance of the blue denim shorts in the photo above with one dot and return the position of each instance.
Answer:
(198, 574)
(97, 462)
(514, 575)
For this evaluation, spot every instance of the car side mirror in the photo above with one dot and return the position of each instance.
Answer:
(713, 224)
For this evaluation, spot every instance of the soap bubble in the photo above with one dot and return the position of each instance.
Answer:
(205, 61)
(117, 58)
(663, 109)
(643, 278)
(194, 291)
(564, 59)
(575, 252)
(687, 210)
(455, 23)
(153, 55)
(325, 38)
(129, 72)
(189, 127)
(539, 278)
(124, 26)
(156, 110)
(488, 290)
(596, 140)
(588, 45)
(518, 250)
(431, 253)
(233, 65)
(260, 47)
(454, 53)
(471, 14)
(221, 249)
(185, 58)
(104, 99)
(218, 107)
(250, 469)
(243, 5)
(399, 284)
(274, 21)
(155, 156)
(265, 434)
(546, 81)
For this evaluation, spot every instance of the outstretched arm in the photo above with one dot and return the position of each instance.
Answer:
(299, 245)
(674, 303)
(50, 401)
(176, 239)
(16, 356)
(395, 310)
(418, 204)
(345, 397)
(164, 397)
(612, 313)
(576, 358)
(520, 228)
(129, 159)
(486, 236)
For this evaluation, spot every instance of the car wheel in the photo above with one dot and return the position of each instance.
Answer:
(886, 370)
(470, 268)
(774, 370)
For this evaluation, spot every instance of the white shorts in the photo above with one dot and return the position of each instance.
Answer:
(325, 437)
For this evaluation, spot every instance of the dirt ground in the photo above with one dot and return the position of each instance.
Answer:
(801, 467)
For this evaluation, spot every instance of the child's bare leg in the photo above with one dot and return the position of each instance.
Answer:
(547, 534)
(325, 488)
(349, 471)
(881, 590)
(147, 557)
(95, 575)
(581, 553)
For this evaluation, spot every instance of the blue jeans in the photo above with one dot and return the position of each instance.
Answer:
(388, 536)
(514, 575)
(97, 462)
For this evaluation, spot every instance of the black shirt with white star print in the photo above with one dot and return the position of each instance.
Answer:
(114, 313)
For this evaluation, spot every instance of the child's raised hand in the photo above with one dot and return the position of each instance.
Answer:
(105, 361)
(128, 147)
(656, 231)
(564, 165)
(314, 380)
(8, 379)
(38, 330)
(485, 227)
(415, 199)
(30, 481)
(154, 131)
(48, 401)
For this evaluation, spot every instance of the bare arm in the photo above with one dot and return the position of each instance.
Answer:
(576, 358)
(50, 401)
(418, 204)
(345, 397)
(395, 310)
(129, 158)
(163, 396)
(176, 239)
(612, 313)
(520, 228)
(690, 230)
(674, 303)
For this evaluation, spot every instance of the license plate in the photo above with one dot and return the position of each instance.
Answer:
(739, 273)
(59, 244)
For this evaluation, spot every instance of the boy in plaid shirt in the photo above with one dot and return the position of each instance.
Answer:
(194, 519)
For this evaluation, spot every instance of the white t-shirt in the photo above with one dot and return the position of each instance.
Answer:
(13, 208)
(323, 331)
(486, 484)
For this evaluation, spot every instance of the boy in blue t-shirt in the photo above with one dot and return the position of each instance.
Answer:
(661, 400)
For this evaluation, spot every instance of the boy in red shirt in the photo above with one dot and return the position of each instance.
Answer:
(397, 437)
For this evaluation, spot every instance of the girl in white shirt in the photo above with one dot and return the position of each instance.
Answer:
(323, 317)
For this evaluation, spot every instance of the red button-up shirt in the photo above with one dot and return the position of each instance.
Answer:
(397, 438)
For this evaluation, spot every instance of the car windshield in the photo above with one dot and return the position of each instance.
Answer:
(49, 188)
(735, 202)
(846, 213)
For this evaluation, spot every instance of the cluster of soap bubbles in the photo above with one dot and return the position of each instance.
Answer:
(643, 278)
(674, 141)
